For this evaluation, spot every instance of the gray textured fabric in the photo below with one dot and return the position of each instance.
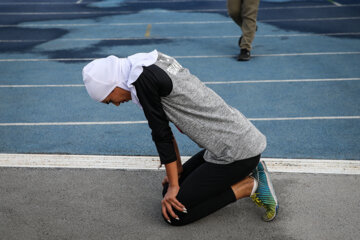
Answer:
(205, 117)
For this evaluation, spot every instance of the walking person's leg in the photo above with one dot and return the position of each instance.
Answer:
(234, 11)
(210, 187)
(249, 10)
(244, 14)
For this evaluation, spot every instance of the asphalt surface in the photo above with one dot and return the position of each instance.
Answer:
(119, 204)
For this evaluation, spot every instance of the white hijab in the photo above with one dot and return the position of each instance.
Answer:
(102, 75)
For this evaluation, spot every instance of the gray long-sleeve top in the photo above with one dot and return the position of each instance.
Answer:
(171, 92)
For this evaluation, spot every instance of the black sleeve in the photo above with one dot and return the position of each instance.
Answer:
(152, 84)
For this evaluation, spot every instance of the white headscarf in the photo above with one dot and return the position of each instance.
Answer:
(102, 75)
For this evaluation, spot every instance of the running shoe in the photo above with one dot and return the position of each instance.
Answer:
(264, 196)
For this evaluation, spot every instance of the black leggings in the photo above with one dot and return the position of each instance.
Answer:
(206, 187)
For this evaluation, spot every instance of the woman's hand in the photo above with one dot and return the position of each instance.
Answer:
(169, 201)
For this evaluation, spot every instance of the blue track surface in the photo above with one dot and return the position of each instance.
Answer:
(296, 40)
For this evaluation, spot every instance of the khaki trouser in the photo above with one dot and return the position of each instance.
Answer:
(244, 13)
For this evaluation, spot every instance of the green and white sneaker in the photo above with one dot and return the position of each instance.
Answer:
(264, 195)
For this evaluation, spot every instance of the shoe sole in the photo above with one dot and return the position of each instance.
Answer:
(270, 219)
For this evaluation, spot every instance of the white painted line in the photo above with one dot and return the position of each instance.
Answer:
(126, 12)
(313, 166)
(111, 24)
(167, 23)
(273, 55)
(184, 1)
(41, 86)
(310, 19)
(88, 2)
(308, 6)
(308, 34)
(45, 59)
(73, 123)
(144, 122)
(207, 83)
(305, 54)
(305, 118)
(152, 163)
(182, 57)
(66, 13)
(176, 38)
(283, 81)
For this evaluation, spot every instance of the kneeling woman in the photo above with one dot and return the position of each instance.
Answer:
(229, 167)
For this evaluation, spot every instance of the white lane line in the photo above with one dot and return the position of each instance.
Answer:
(45, 59)
(117, 12)
(305, 118)
(310, 19)
(307, 34)
(284, 81)
(177, 37)
(335, 4)
(41, 85)
(152, 163)
(89, 2)
(274, 55)
(305, 54)
(72, 123)
(144, 122)
(207, 83)
(182, 57)
(167, 23)
(112, 24)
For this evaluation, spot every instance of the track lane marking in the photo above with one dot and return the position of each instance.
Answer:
(324, 166)
(119, 12)
(176, 37)
(170, 23)
(207, 83)
(145, 122)
(334, 4)
(147, 32)
(183, 57)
